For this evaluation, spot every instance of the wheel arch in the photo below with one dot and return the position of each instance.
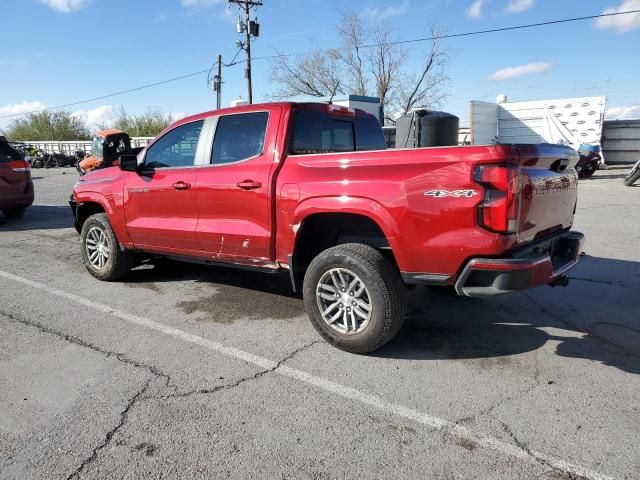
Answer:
(85, 209)
(317, 228)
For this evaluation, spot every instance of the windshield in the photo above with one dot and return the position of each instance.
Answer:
(96, 147)
(8, 153)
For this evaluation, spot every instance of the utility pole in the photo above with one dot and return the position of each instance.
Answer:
(251, 28)
(217, 83)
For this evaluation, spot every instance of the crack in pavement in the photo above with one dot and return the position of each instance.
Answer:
(499, 403)
(585, 331)
(525, 448)
(110, 434)
(242, 380)
(140, 395)
(80, 342)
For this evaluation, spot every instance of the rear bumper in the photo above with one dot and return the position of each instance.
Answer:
(540, 264)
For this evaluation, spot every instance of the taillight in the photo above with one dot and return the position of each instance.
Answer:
(19, 165)
(499, 210)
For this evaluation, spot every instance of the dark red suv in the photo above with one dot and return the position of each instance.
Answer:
(16, 186)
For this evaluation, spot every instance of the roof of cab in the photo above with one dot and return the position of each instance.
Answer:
(108, 131)
(258, 106)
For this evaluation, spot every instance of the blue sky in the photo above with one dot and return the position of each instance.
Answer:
(59, 51)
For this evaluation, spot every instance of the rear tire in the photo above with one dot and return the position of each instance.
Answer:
(361, 290)
(633, 175)
(14, 213)
(101, 252)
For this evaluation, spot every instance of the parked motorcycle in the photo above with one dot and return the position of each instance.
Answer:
(633, 176)
(38, 158)
(589, 160)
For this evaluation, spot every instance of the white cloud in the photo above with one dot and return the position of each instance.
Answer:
(519, 71)
(65, 6)
(623, 113)
(517, 6)
(621, 23)
(96, 117)
(475, 9)
(391, 11)
(17, 108)
(175, 116)
(199, 3)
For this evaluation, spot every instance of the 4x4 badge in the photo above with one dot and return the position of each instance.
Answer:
(454, 193)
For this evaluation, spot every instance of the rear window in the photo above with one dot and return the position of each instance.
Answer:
(8, 153)
(319, 132)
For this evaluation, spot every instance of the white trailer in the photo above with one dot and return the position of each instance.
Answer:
(569, 121)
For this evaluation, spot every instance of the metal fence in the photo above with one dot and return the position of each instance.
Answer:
(70, 147)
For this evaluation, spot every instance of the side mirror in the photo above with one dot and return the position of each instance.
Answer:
(129, 163)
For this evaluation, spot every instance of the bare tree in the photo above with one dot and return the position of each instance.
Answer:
(385, 60)
(316, 75)
(353, 37)
(368, 61)
(427, 87)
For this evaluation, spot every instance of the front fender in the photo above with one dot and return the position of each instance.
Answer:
(116, 215)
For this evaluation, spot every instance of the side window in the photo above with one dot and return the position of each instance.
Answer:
(369, 135)
(239, 137)
(316, 132)
(176, 148)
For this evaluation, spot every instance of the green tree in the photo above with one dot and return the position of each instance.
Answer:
(147, 124)
(59, 125)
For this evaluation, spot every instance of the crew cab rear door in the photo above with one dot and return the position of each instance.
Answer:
(233, 191)
(159, 201)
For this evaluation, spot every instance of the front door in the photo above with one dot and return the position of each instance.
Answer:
(233, 191)
(159, 202)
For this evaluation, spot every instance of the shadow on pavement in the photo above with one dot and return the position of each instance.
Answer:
(604, 176)
(598, 311)
(595, 318)
(160, 270)
(39, 217)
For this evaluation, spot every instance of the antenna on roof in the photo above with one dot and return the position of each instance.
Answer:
(333, 94)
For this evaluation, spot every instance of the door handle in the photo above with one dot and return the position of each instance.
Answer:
(182, 185)
(248, 185)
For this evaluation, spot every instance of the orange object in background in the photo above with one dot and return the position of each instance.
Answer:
(106, 148)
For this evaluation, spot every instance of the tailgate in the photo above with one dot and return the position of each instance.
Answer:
(549, 189)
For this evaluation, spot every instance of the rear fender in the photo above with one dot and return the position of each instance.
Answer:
(347, 204)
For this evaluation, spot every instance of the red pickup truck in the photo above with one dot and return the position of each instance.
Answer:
(311, 189)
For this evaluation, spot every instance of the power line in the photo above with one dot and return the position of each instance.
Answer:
(102, 97)
(399, 42)
(468, 34)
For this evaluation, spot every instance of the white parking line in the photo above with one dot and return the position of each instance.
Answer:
(374, 401)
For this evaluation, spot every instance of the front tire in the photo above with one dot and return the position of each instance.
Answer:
(354, 297)
(101, 252)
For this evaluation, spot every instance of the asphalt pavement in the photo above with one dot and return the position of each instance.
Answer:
(186, 371)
